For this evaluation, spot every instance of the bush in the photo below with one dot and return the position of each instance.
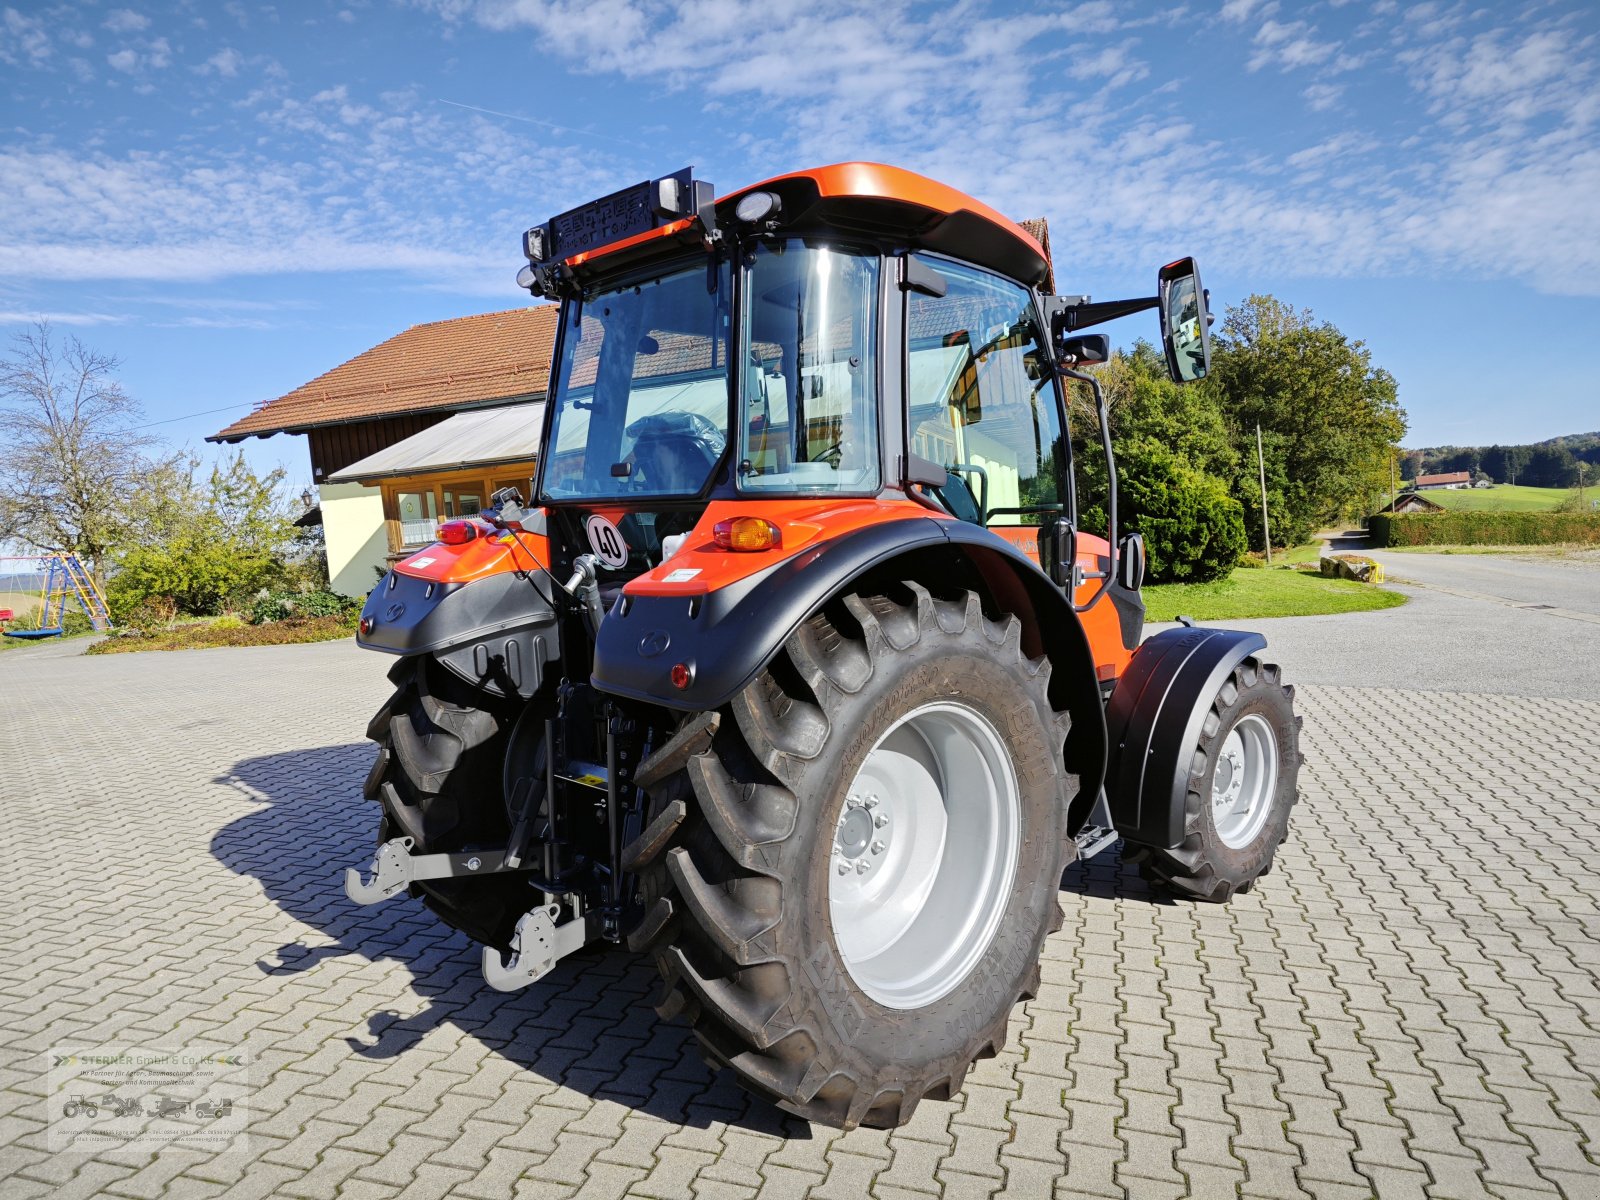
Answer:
(1193, 530)
(1483, 528)
(148, 616)
(280, 606)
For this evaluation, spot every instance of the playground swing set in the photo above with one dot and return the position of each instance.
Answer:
(65, 577)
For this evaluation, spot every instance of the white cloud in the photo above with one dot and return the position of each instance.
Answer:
(1242, 10)
(23, 39)
(125, 20)
(1290, 45)
(1337, 146)
(371, 188)
(1323, 96)
(884, 80)
(1115, 64)
(224, 62)
(61, 318)
(152, 55)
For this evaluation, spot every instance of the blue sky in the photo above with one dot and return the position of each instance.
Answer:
(234, 198)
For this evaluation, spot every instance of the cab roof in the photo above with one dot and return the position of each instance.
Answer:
(880, 202)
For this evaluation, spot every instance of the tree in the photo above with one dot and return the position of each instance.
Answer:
(71, 459)
(207, 542)
(1329, 418)
(1145, 405)
(1193, 530)
(1551, 467)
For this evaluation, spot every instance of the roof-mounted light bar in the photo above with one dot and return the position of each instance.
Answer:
(624, 214)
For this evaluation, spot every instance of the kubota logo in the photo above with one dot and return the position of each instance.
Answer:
(654, 642)
(394, 612)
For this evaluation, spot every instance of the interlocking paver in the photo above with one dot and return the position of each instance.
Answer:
(1408, 1005)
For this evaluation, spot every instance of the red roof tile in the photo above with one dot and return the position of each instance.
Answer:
(1448, 477)
(441, 365)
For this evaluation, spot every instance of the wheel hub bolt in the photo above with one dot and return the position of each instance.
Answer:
(880, 820)
(872, 802)
(844, 868)
(862, 866)
(877, 847)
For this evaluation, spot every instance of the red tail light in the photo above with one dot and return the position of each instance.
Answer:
(457, 533)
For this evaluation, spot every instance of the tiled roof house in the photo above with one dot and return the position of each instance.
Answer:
(410, 400)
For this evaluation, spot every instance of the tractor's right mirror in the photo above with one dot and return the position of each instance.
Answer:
(1185, 321)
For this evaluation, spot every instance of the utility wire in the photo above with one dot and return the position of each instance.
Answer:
(189, 416)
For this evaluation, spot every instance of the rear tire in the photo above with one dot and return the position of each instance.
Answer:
(1242, 785)
(741, 914)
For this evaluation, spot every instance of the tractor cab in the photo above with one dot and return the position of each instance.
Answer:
(851, 334)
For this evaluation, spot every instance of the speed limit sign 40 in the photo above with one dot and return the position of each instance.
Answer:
(605, 539)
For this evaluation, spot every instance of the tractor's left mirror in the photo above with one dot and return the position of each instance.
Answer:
(1185, 321)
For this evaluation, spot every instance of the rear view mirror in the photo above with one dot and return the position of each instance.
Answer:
(1185, 321)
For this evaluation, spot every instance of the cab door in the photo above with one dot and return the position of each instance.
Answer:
(982, 402)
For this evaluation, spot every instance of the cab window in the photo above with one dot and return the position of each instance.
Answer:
(982, 401)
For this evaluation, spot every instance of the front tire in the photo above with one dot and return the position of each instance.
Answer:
(770, 935)
(438, 776)
(1242, 784)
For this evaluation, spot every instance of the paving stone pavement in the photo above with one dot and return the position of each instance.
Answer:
(1407, 1006)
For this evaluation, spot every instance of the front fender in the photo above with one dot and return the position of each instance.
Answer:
(1154, 721)
(496, 632)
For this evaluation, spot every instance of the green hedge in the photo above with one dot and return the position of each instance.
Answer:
(1484, 528)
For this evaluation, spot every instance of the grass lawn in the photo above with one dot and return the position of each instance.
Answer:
(1500, 498)
(1253, 592)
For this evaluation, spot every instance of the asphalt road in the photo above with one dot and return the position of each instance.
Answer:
(1564, 583)
(1467, 628)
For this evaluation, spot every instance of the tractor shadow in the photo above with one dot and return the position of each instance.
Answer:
(589, 1025)
(1107, 877)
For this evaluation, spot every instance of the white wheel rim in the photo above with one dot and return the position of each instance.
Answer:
(924, 854)
(1244, 781)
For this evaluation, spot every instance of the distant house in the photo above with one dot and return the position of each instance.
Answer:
(1453, 479)
(1410, 502)
(419, 429)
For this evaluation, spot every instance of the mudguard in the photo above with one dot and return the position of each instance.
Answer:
(496, 632)
(728, 636)
(1154, 720)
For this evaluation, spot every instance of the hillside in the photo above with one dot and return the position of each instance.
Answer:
(1500, 498)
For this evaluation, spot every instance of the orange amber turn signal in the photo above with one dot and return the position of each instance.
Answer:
(747, 533)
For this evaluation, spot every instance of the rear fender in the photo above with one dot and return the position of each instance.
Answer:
(727, 637)
(1154, 722)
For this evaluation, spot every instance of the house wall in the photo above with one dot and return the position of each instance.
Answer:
(357, 539)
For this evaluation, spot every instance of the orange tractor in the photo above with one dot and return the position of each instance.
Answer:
(795, 671)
